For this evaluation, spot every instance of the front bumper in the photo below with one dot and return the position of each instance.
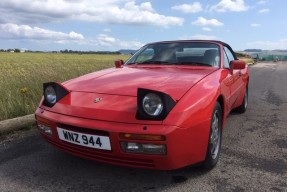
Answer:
(183, 146)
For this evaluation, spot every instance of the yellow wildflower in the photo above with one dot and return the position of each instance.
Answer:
(24, 90)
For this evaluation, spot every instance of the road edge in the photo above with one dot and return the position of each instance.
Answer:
(17, 123)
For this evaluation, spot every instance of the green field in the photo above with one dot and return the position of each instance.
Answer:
(22, 76)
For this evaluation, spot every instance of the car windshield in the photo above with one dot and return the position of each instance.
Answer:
(178, 53)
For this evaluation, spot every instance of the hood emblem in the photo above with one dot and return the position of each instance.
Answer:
(98, 99)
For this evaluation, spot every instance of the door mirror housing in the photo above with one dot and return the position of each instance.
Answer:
(237, 64)
(119, 63)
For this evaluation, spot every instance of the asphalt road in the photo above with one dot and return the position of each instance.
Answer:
(253, 158)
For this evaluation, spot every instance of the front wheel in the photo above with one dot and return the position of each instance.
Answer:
(215, 137)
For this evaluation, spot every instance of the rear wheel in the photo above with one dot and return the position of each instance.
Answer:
(242, 108)
(215, 137)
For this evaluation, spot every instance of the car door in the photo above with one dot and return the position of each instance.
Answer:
(235, 78)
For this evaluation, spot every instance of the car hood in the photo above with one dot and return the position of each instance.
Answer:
(172, 80)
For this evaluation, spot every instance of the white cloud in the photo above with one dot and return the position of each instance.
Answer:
(108, 41)
(11, 31)
(255, 25)
(230, 5)
(14, 31)
(269, 45)
(188, 8)
(264, 11)
(203, 37)
(206, 29)
(198, 37)
(107, 30)
(201, 21)
(142, 14)
(262, 2)
(107, 11)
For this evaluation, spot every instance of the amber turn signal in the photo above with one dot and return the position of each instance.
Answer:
(142, 137)
(42, 120)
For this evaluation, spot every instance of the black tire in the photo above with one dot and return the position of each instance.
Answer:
(215, 137)
(242, 108)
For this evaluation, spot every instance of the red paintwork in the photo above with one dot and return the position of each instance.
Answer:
(119, 63)
(238, 64)
(126, 80)
(186, 128)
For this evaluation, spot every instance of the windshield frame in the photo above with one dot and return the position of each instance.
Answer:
(178, 48)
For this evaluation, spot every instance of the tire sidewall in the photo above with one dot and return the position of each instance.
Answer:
(243, 107)
(209, 161)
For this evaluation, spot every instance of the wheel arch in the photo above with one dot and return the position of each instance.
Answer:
(221, 102)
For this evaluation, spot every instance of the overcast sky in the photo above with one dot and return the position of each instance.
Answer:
(125, 24)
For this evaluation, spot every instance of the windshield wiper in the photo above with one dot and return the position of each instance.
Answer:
(153, 62)
(193, 63)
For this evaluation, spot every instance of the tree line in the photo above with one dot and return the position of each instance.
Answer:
(62, 51)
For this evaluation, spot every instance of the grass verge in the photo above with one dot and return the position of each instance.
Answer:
(247, 60)
(22, 76)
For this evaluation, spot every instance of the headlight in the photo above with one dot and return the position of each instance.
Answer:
(53, 92)
(152, 104)
(50, 95)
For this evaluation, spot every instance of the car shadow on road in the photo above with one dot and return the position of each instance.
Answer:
(122, 178)
(35, 165)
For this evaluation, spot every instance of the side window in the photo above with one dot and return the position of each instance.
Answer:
(229, 56)
(226, 61)
(145, 55)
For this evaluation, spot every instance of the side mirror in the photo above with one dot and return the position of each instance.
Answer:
(119, 63)
(238, 64)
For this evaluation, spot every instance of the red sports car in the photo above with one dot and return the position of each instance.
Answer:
(164, 108)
